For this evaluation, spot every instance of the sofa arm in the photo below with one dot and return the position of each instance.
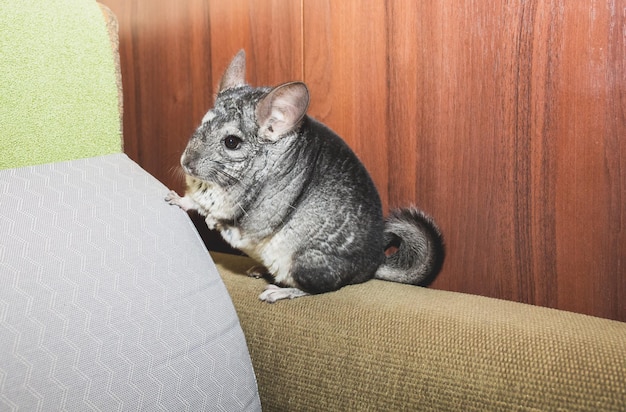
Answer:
(386, 346)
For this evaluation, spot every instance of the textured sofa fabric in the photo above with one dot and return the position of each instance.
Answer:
(109, 299)
(381, 346)
(58, 89)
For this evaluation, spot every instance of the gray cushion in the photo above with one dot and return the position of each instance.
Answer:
(109, 299)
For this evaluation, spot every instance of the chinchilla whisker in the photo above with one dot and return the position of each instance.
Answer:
(215, 172)
(228, 175)
(242, 209)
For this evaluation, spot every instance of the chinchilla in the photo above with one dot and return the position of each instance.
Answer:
(289, 192)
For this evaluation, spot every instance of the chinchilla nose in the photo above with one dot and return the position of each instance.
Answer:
(187, 161)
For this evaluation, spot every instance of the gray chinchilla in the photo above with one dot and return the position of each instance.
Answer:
(288, 191)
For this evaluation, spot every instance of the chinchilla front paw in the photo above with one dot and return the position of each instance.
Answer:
(184, 203)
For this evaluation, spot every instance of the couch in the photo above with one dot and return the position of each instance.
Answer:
(110, 300)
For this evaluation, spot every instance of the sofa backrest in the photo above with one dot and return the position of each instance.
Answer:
(58, 88)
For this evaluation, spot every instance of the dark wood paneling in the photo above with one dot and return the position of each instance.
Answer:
(269, 30)
(589, 124)
(504, 120)
(346, 72)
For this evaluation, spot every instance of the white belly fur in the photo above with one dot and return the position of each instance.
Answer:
(273, 252)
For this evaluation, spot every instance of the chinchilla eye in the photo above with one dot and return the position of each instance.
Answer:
(232, 142)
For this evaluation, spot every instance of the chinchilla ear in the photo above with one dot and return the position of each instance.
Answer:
(282, 110)
(235, 74)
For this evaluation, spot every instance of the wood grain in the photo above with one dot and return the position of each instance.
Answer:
(504, 120)
(496, 122)
(269, 30)
(590, 125)
(344, 66)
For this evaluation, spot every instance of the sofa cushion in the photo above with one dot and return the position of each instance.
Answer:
(109, 299)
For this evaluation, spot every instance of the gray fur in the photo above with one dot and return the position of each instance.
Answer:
(289, 192)
(420, 251)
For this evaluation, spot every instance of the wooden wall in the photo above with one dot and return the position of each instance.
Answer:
(504, 120)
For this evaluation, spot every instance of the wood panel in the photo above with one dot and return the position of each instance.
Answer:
(504, 120)
(473, 146)
(345, 70)
(590, 127)
(269, 30)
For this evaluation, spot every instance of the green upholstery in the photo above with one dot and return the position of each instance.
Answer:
(58, 90)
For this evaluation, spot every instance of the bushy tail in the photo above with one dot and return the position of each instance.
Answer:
(414, 248)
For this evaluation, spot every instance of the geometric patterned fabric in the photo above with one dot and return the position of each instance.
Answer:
(108, 298)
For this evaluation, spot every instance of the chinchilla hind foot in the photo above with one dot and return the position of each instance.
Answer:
(273, 293)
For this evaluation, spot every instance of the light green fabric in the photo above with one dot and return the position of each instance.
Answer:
(58, 94)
